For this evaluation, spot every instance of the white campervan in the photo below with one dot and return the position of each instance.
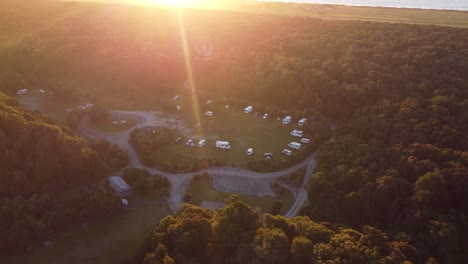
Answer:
(201, 143)
(305, 140)
(302, 121)
(223, 144)
(287, 152)
(287, 120)
(296, 133)
(248, 109)
(294, 145)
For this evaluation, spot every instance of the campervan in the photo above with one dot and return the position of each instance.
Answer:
(265, 116)
(287, 120)
(302, 121)
(296, 133)
(250, 151)
(209, 113)
(294, 145)
(22, 91)
(248, 109)
(201, 143)
(305, 140)
(223, 144)
(287, 152)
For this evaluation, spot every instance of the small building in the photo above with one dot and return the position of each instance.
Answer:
(287, 120)
(223, 144)
(226, 106)
(119, 185)
(178, 108)
(302, 121)
(248, 109)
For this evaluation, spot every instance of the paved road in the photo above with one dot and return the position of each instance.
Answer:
(220, 174)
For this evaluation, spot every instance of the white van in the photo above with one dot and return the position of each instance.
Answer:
(287, 120)
(302, 121)
(201, 143)
(223, 144)
(287, 152)
(294, 145)
(296, 133)
(305, 140)
(248, 109)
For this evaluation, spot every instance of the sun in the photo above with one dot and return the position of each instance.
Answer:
(174, 3)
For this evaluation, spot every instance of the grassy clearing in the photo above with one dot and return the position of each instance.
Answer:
(47, 104)
(107, 241)
(242, 130)
(108, 127)
(203, 191)
(381, 14)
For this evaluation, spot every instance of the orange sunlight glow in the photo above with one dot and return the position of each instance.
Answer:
(176, 3)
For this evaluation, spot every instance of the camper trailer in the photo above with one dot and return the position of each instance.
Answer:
(223, 144)
(302, 121)
(296, 133)
(248, 109)
(294, 145)
(287, 120)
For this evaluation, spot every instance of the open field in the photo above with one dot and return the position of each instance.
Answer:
(203, 191)
(47, 104)
(380, 14)
(108, 127)
(242, 130)
(107, 241)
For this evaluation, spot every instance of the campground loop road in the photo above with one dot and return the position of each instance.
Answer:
(258, 183)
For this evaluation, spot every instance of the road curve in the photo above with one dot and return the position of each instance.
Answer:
(180, 181)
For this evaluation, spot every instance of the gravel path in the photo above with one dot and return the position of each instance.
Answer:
(229, 179)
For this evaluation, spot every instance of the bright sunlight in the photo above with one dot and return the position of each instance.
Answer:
(177, 3)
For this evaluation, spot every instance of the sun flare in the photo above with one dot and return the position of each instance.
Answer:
(174, 3)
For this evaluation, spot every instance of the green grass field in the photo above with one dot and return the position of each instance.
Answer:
(108, 127)
(380, 14)
(203, 191)
(47, 104)
(108, 241)
(242, 130)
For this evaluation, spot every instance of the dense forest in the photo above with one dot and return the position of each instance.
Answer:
(397, 94)
(50, 179)
(239, 234)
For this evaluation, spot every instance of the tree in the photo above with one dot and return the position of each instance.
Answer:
(271, 246)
